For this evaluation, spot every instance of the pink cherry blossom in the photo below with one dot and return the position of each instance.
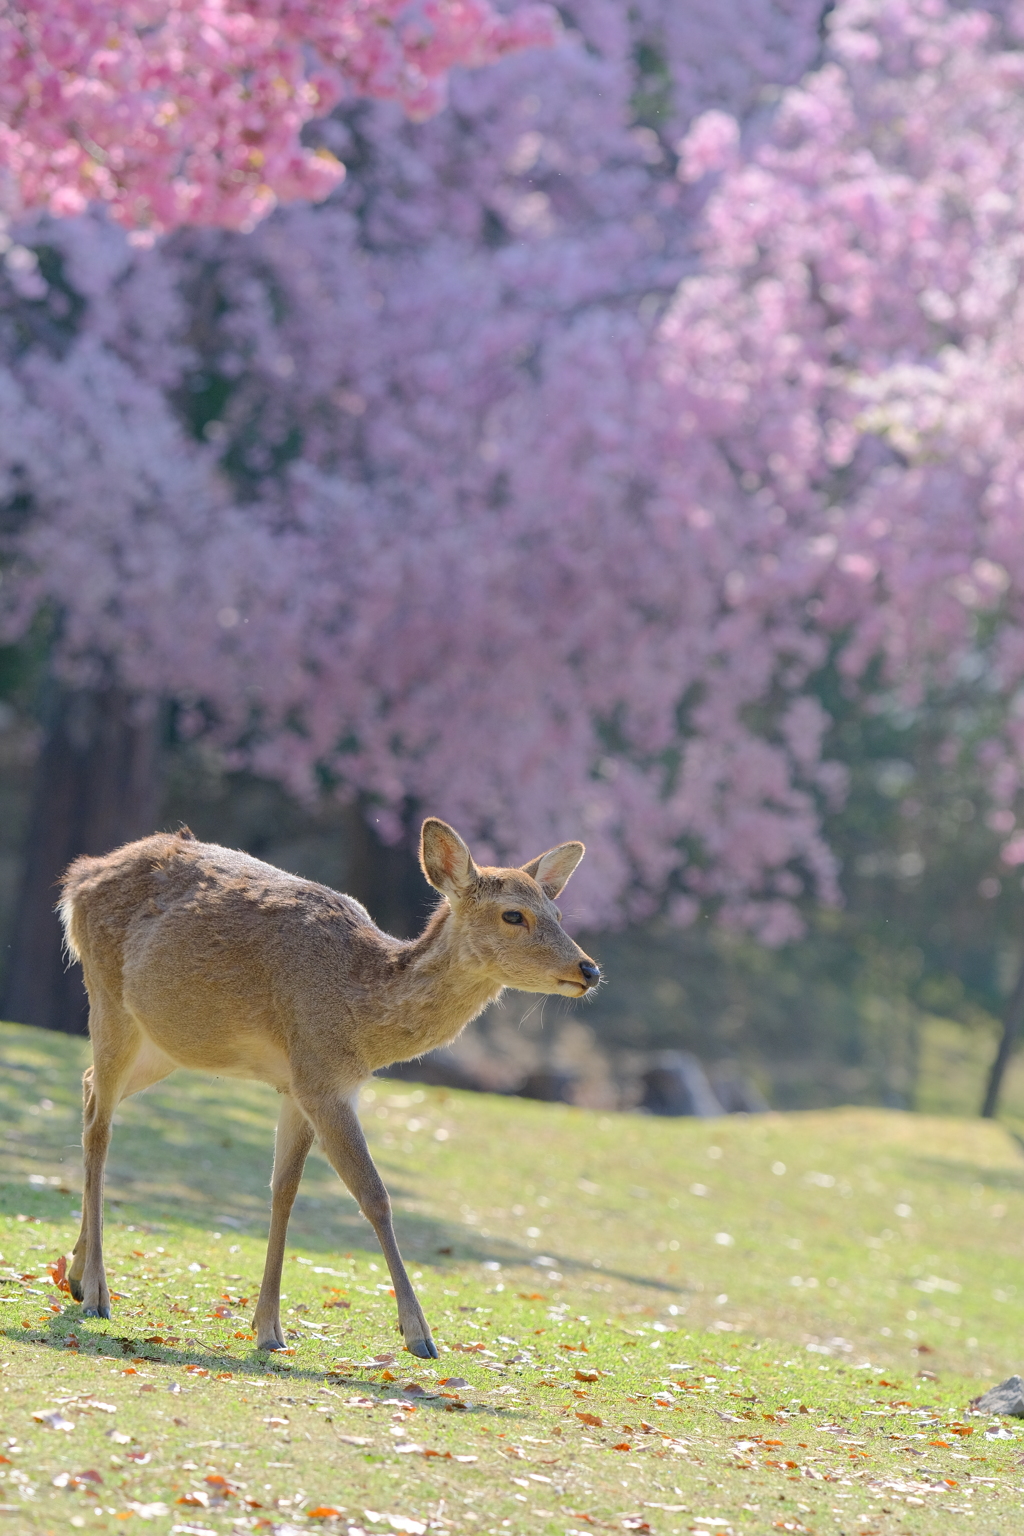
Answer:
(534, 476)
(190, 111)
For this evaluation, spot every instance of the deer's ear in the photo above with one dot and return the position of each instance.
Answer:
(445, 859)
(551, 870)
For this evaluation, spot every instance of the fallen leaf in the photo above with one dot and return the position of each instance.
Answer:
(622, 1446)
(325, 1512)
(453, 1381)
(197, 1499)
(355, 1439)
(76, 1479)
(58, 1274)
(53, 1419)
(590, 1418)
(587, 1375)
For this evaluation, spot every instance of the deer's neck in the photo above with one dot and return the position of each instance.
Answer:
(437, 986)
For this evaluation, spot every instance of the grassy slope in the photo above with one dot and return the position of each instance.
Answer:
(785, 1406)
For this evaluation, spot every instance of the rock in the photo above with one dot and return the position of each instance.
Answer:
(1008, 1397)
(549, 1085)
(439, 1069)
(676, 1084)
(736, 1093)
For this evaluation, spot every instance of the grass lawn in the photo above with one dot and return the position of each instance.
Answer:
(758, 1324)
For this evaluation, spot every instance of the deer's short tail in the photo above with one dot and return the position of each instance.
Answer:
(70, 908)
(66, 912)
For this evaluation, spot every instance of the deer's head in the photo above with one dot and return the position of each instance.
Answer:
(506, 919)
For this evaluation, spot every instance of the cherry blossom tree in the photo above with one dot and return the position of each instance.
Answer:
(539, 474)
(191, 112)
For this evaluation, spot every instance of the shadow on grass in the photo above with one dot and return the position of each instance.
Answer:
(201, 1365)
(426, 1241)
(950, 1171)
(187, 1156)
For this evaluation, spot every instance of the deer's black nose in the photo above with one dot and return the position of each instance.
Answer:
(591, 972)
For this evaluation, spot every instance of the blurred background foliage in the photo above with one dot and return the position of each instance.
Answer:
(895, 998)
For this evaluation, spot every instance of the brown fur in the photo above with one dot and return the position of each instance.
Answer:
(198, 956)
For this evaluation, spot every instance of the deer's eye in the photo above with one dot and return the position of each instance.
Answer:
(515, 918)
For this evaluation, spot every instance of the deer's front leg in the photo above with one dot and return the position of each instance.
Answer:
(341, 1136)
(293, 1141)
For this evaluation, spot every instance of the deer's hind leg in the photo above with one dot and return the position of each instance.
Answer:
(294, 1139)
(118, 1048)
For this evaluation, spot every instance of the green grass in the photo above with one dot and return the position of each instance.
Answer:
(767, 1323)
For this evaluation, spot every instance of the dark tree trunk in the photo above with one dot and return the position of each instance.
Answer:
(1012, 1020)
(97, 784)
(386, 877)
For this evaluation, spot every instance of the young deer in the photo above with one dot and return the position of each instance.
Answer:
(197, 956)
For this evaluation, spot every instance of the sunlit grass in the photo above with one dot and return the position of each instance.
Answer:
(748, 1324)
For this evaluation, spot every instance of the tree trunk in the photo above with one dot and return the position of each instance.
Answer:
(97, 784)
(1012, 1020)
(386, 877)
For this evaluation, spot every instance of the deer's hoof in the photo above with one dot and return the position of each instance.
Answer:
(96, 1312)
(426, 1349)
(75, 1287)
(272, 1344)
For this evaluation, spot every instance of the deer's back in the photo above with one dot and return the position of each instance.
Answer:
(191, 937)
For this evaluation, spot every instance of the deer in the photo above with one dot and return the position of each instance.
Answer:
(202, 957)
